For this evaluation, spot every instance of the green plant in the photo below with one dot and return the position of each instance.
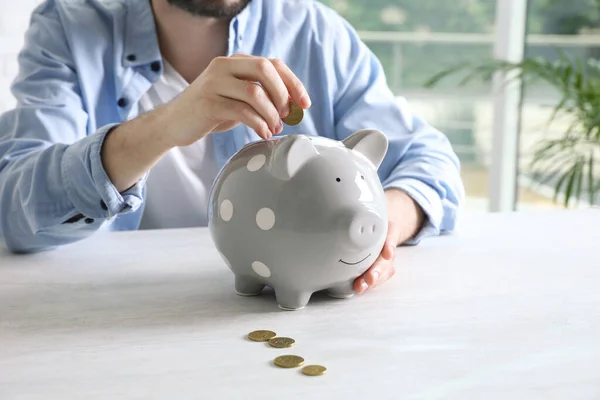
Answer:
(569, 161)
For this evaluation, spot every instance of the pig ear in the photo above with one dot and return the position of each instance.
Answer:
(371, 143)
(290, 154)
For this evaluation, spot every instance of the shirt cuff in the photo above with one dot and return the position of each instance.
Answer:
(429, 201)
(87, 183)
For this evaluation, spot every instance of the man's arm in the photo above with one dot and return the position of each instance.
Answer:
(60, 184)
(53, 188)
(420, 161)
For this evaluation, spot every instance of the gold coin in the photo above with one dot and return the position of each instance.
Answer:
(295, 116)
(281, 342)
(289, 361)
(261, 336)
(314, 370)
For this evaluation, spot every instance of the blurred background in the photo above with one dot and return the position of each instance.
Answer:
(494, 131)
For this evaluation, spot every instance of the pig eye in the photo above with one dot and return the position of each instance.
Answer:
(338, 179)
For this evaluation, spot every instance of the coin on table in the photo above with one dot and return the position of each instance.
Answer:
(281, 342)
(295, 116)
(289, 361)
(261, 335)
(314, 370)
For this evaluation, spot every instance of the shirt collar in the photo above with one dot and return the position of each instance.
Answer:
(141, 41)
(241, 20)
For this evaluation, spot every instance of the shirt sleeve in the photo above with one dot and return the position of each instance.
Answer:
(420, 160)
(53, 187)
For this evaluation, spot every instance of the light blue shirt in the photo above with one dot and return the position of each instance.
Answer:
(86, 63)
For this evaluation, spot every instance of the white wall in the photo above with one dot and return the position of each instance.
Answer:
(14, 19)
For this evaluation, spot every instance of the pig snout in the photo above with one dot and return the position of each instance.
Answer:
(364, 228)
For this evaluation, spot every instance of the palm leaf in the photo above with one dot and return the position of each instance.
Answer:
(578, 181)
(591, 183)
(571, 157)
(567, 178)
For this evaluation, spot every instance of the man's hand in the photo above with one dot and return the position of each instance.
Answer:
(405, 221)
(231, 91)
(235, 90)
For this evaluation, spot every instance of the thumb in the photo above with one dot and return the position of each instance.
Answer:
(391, 242)
(387, 253)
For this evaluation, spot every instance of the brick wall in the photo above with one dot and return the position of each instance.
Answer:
(14, 19)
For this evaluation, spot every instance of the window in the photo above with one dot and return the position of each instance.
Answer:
(554, 26)
(417, 39)
(493, 131)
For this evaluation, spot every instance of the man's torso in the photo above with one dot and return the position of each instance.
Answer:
(115, 52)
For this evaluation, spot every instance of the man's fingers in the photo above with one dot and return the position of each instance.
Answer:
(393, 234)
(257, 69)
(378, 274)
(370, 277)
(255, 96)
(386, 273)
(360, 285)
(382, 269)
(294, 86)
(373, 274)
(387, 253)
(233, 110)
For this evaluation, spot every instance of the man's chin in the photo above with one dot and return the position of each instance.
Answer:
(211, 8)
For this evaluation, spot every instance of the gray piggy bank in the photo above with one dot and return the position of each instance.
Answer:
(300, 214)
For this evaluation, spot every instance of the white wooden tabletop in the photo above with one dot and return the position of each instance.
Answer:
(506, 308)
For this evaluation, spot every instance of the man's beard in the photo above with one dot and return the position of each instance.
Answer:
(211, 8)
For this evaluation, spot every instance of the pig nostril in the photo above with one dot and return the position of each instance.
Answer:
(363, 229)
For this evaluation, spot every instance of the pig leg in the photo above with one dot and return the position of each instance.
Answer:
(342, 291)
(247, 286)
(291, 300)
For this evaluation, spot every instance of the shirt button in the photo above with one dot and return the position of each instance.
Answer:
(103, 205)
(155, 66)
(89, 220)
(122, 102)
(131, 57)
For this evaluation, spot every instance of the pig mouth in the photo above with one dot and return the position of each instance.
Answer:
(354, 263)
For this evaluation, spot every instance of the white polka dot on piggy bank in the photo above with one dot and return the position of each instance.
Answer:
(300, 214)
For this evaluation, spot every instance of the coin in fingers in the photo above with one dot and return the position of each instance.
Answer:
(295, 116)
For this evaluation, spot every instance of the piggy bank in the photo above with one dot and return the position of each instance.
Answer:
(300, 214)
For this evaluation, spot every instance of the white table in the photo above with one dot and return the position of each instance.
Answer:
(506, 308)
